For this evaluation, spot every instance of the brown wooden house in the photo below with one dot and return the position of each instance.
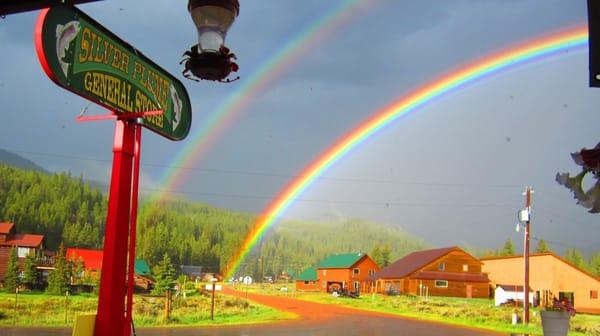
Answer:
(446, 271)
(24, 243)
(339, 272)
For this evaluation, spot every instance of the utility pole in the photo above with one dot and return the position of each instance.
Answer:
(212, 303)
(528, 192)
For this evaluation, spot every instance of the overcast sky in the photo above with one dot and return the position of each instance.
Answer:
(451, 173)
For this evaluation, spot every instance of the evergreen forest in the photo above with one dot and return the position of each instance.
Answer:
(68, 210)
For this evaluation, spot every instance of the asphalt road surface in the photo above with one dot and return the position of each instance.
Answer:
(315, 320)
(343, 325)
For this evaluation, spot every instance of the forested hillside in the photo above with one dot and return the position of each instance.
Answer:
(296, 245)
(197, 234)
(59, 206)
(66, 209)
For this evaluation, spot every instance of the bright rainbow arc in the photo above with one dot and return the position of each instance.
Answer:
(487, 66)
(269, 71)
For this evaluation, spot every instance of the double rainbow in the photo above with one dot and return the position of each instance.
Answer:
(202, 138)
(488, 66)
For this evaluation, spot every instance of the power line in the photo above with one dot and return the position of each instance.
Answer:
(328, 201)
(279, 175)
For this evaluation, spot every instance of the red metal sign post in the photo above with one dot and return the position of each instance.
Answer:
(139, 93)
(115, 302)
(82, 56)
(118, 262)
(111, 300)
(132, 228)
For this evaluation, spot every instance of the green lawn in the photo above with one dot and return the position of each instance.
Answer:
(479, 313)
(41, 310)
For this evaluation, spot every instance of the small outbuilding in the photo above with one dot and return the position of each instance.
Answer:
(307, 280)
(507, 293)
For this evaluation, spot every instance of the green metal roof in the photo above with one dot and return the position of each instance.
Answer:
(291, 273)
(141, 268)
(309, 274)
(344, 260)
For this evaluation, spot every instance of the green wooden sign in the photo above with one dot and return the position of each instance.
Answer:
(80, 55)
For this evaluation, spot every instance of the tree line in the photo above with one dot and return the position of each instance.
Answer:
(59, 206)
(67, 210)
(574, 256)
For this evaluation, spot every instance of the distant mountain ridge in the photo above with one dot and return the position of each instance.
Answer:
(18, 161)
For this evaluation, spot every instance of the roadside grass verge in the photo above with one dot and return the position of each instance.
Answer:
(42, 310)
(477, 313)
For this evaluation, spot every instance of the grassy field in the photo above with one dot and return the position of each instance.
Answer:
(41, 310)
(479, 313)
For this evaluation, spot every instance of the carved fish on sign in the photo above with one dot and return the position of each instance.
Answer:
(64, 35)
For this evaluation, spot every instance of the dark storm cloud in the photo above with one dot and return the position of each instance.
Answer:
(375, 57)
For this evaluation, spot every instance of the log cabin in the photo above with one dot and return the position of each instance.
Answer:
(24, 243)
(448, 271)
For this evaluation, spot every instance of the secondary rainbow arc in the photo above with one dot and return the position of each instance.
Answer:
(536, 49)
(201, 139)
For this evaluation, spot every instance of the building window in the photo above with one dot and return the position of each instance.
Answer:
(356, 271)
(371, 272)
(306, 282)
(441, 284)
(22, 252)
(442, 266)
(593, 294)
(465, 267)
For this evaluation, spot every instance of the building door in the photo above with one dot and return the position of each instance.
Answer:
(469, 291)
(568, 295)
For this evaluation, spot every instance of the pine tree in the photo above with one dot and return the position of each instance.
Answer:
(575, 257)
(11, 279)
(79, 271)
(595, 263)
(542, 247)
(30, 274)
(508, 248)
(58, 280)
(164, 274)
(385, 256)
(376, 255)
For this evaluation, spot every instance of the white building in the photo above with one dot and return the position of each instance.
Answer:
(504, 293)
